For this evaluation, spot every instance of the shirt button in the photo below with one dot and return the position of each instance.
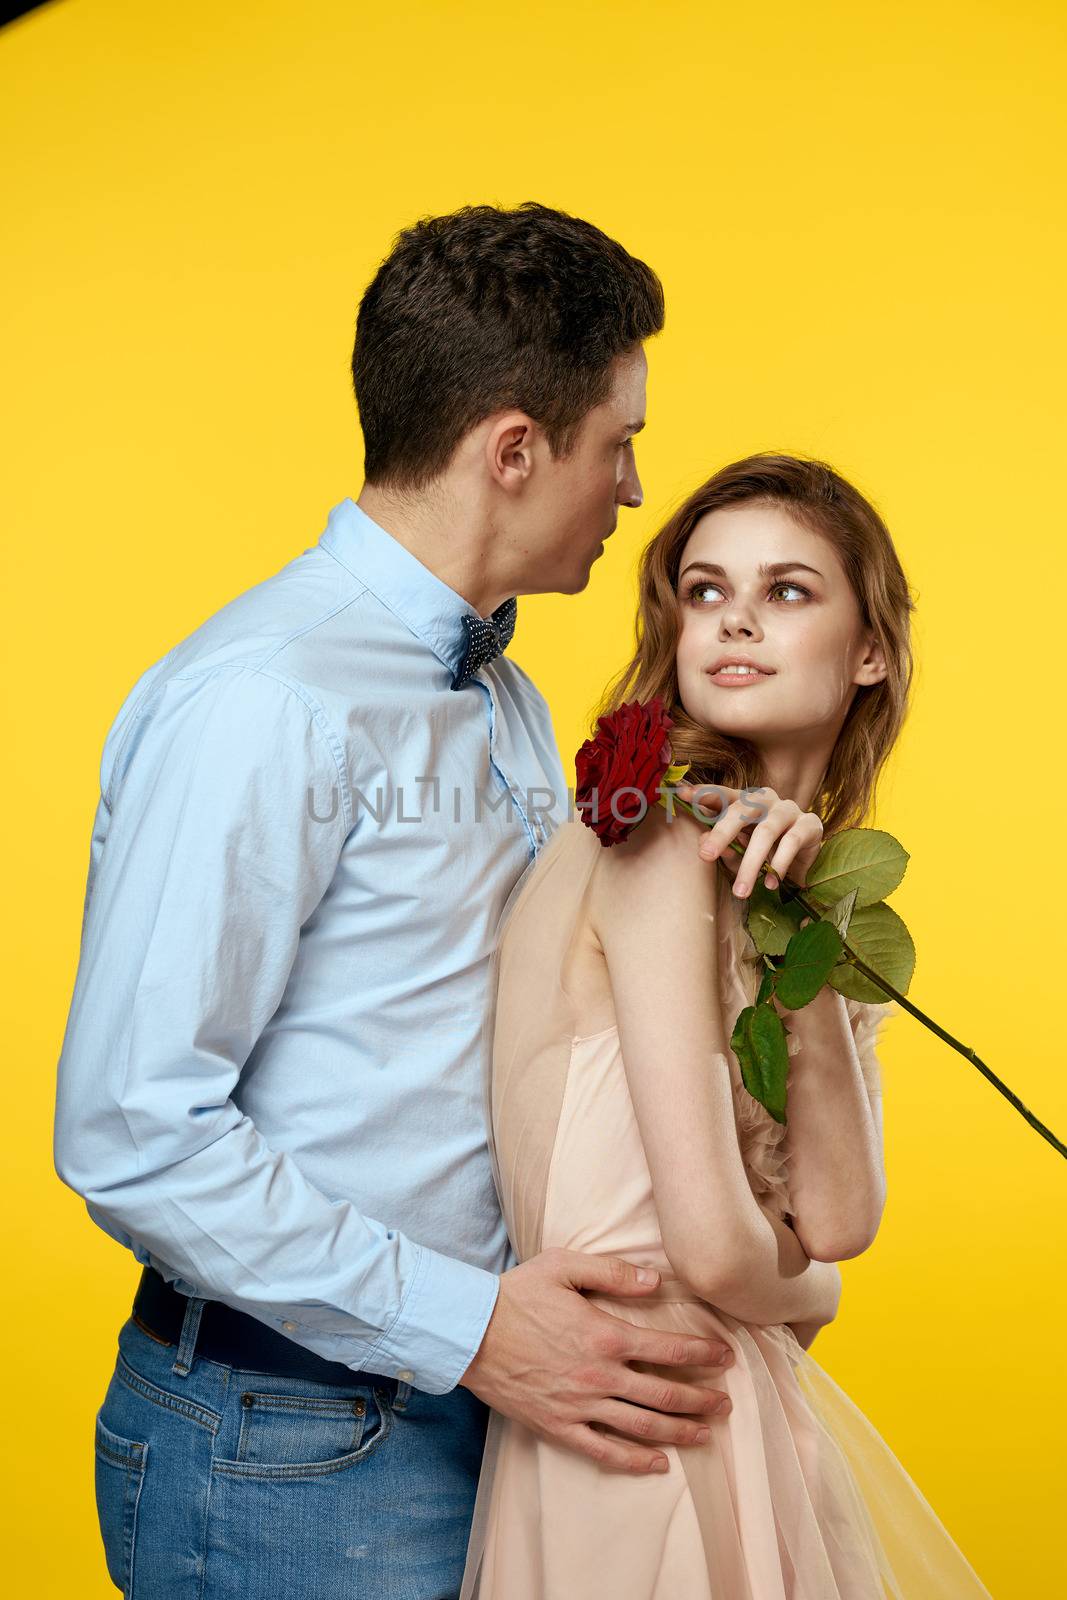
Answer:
(405, 1375)
(289, 1326)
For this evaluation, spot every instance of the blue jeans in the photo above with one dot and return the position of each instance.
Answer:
(217, 1483)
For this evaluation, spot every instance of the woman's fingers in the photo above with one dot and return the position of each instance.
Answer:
(798, 849)
(728, 859)
(782, 817)
(773, 831)
(739, 815)
(709, 799)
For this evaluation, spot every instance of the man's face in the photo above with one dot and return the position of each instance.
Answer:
(573, 502)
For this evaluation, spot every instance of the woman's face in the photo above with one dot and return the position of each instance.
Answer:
(756, 584)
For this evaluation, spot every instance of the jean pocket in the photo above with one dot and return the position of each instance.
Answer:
(291, 1435)
(119, 1474)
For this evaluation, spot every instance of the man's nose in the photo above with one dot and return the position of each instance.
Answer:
(629, 492)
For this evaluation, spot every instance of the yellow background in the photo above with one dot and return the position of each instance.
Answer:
(857, 215)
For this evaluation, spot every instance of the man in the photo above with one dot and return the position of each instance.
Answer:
(270, 1088)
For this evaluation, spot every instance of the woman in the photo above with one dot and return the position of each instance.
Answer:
(774, 627)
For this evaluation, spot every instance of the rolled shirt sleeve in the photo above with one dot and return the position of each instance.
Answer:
(208, 857)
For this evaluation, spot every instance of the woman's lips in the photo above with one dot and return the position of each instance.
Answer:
(738, 680)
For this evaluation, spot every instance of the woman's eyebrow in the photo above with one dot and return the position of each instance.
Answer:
(766, 569)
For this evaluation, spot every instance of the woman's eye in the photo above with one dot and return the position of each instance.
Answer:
(793, 591)
(700, 588)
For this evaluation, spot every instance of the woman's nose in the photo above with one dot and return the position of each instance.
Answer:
(739, 619)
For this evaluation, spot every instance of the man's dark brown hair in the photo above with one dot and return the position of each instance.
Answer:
(487, 309)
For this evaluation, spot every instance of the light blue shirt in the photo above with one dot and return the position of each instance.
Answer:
(270, 1086)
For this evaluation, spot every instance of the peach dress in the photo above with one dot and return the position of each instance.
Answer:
(796, 1496)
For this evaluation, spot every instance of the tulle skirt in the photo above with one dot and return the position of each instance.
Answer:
(796, 1496)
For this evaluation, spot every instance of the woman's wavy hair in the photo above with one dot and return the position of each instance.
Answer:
(820, 499)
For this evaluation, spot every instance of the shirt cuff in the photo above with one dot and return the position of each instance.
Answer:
(441, 1324)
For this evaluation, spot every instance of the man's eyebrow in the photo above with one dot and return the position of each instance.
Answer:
(635, 427)
(766, 570)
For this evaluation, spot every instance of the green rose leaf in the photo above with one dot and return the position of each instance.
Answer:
(809, 961)
(881, 939)
(865, 859)
(759, 1043)
(770, 921)
(840, 914)
(766, 986)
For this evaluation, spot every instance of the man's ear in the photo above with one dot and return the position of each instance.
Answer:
(872, 665)
(509, 450)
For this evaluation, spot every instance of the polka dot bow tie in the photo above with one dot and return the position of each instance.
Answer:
(486, 637)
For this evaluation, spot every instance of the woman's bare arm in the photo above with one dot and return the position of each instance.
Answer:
(653, 909)
(833, 1135)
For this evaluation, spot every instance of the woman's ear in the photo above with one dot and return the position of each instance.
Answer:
(871, 667)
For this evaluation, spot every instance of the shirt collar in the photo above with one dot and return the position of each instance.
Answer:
(432, 610)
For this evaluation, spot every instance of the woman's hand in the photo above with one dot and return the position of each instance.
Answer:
(761, 820)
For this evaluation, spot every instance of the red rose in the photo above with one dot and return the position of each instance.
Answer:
(620, 769)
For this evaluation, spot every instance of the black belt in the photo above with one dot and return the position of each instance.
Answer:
(238, 1339)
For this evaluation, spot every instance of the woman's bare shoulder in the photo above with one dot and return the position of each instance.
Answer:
(658, 862)
(660, 842)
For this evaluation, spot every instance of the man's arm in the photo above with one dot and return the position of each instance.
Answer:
(207, 863)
